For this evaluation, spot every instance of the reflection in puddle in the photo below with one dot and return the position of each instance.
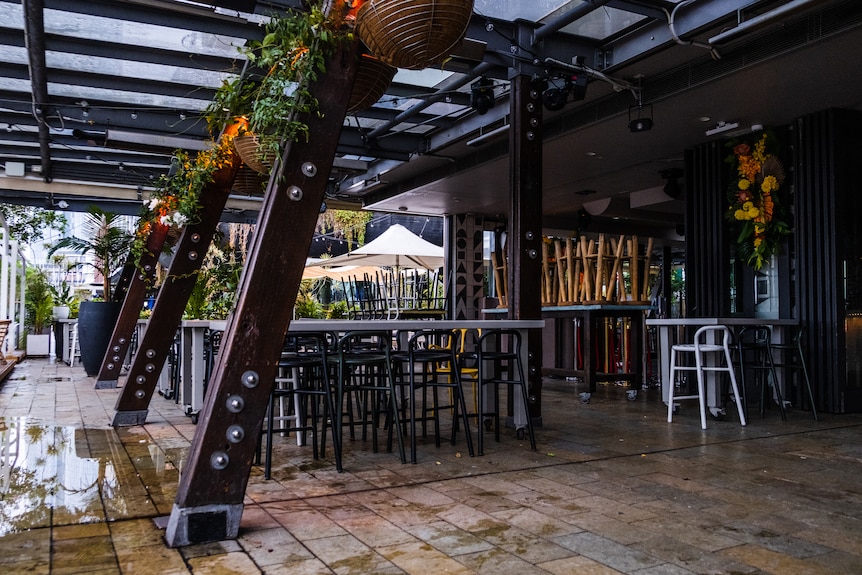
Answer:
(63, 475)
(40, 471)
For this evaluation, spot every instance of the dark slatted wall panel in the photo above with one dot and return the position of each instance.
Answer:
(827, 156)
(815, 249)
(707, 277)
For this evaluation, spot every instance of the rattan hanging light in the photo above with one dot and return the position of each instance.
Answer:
(413, 34)
(373, 77)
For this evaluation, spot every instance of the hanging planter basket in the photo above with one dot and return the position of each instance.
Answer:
(413, 34)
(247, 147)
(249, 182)
(372, 78)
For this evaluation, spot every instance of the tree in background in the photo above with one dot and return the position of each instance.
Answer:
(28, 223)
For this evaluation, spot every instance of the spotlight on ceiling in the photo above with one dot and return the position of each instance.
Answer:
(482, 95)
(555, 96)
(642, 120)
(672, 188)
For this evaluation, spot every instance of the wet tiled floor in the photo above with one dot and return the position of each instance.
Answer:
(613, 488)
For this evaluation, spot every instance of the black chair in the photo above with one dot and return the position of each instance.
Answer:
(754, 349)
(427, 349)
(302, 390)
(365, 387)
(790, 357)
(498, 360)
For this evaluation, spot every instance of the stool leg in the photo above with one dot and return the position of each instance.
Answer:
(525, 394)
(464, 415)
(480, 444)
(735, 387)
(701, 389)
(671, 386)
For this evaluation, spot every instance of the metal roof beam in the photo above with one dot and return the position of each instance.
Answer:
(34, 35)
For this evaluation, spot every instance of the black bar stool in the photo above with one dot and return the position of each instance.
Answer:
(754, 346)
(427, 350)
(303, 384)
(364, 374)
(790, 357)
(498, 353)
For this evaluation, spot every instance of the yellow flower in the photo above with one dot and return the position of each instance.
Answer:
(759, 154)
(770, 184)
(744, 184)
(740, 215)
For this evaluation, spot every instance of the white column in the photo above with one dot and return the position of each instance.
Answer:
(13, 278)
(4, 272)
(22, 310)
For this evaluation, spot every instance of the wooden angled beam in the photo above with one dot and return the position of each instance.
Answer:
(133, 404)
(212, 486)
(138, 277)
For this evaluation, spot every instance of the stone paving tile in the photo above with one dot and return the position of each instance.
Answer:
(612, 489)
(419, 558)
(774, 562)
(448, 538)
(607, 551)
(273, 547)
(151, 560)
(347, 555)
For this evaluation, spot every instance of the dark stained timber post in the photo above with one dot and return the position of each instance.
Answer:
(136, 291)
(212, 485)
(134, 401)
(525, 247)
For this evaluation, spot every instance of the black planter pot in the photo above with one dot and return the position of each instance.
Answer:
(96, 321)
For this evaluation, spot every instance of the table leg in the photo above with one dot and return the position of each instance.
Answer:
(664, 349)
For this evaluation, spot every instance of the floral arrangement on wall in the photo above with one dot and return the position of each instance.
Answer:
(755, 206)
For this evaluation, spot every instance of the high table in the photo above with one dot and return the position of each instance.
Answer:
(666, 327)
(571, 338)
(194, 368)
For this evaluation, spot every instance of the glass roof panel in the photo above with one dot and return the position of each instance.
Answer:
(603, 22)
(533, 11)
(115, 31)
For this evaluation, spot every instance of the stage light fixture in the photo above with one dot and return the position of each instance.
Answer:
(642, 120)
(555, 98)
(482, 95)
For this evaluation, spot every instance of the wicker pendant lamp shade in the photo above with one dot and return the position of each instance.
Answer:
(413, 34)
(247, 147)
(372, 78)
(250, 182)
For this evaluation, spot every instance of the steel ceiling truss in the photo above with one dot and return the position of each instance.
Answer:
(70, 102)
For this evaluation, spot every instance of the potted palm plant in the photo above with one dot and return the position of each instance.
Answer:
(39, 305)
(108, 242)
(63, 299)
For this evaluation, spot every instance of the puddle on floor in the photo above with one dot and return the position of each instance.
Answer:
(56, 475)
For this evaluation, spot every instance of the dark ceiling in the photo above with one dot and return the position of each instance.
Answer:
(77, 77)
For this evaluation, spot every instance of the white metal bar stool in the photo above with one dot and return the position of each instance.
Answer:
(700, 347)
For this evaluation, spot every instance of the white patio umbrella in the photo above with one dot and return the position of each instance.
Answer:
(339, 273)
(396, 247)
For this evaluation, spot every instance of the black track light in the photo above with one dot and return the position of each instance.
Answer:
(482, 95)
(555, 98)
(642, 120)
